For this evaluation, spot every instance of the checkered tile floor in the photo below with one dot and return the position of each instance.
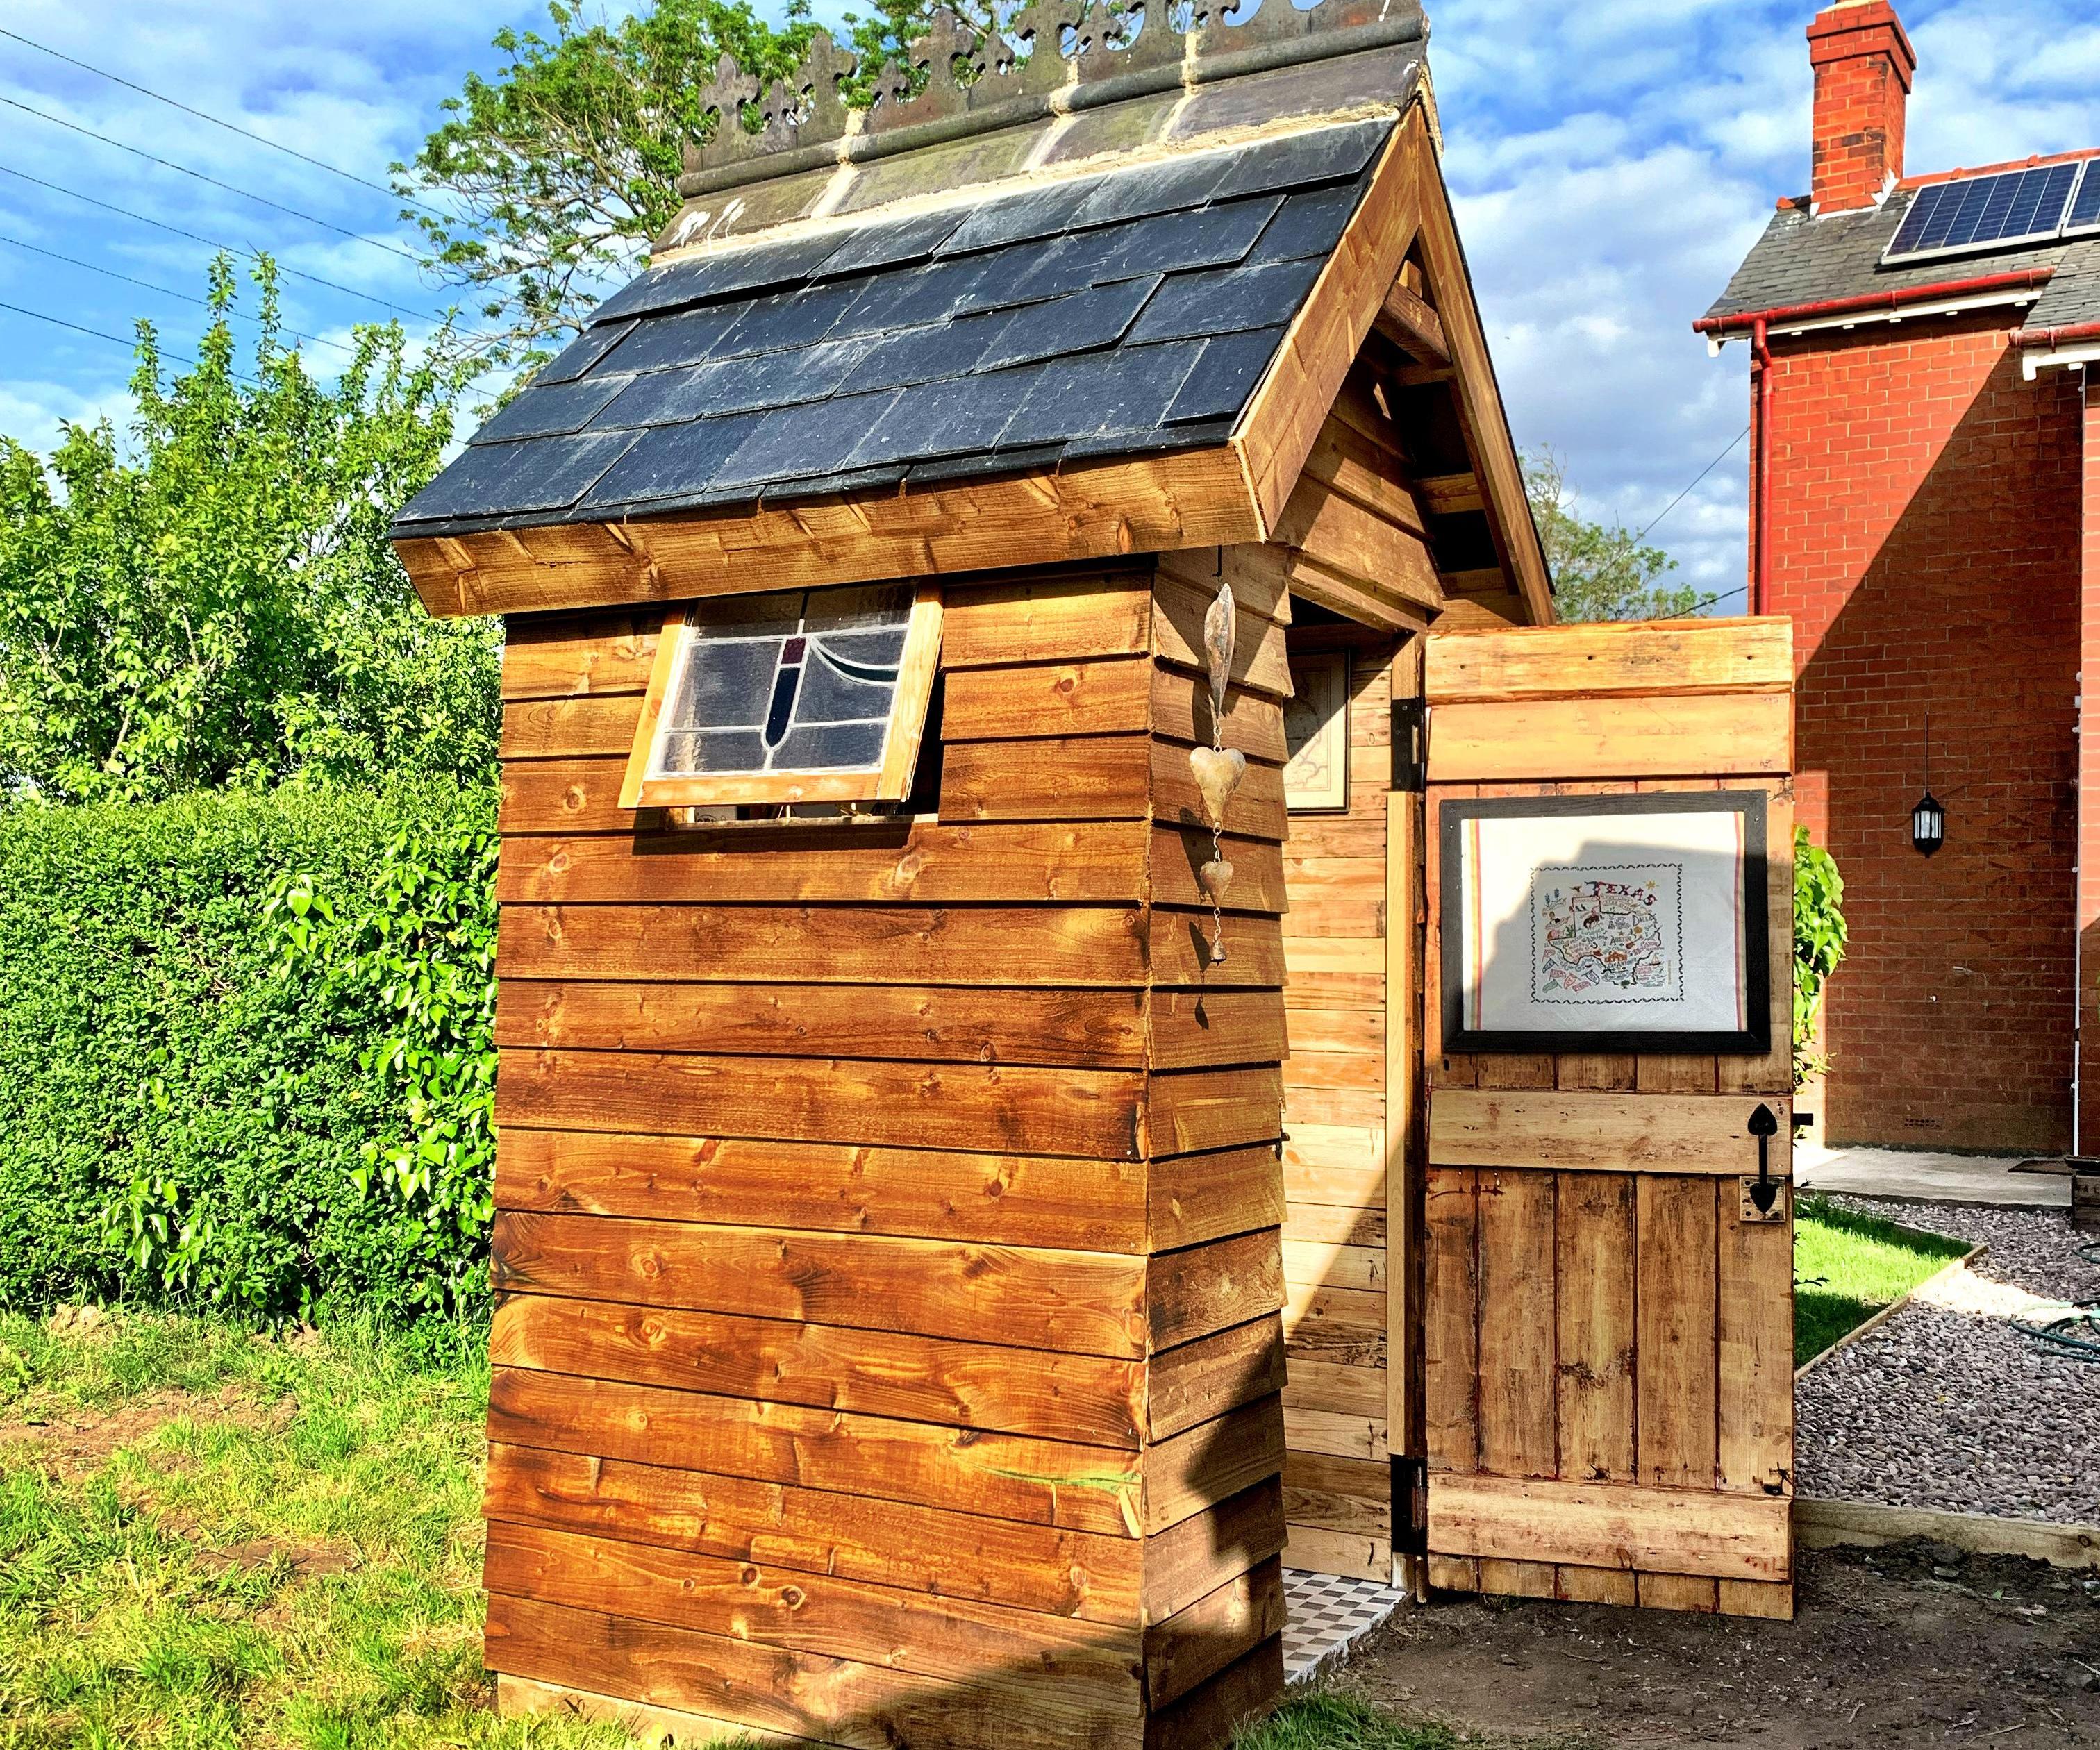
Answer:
(1324, 1615)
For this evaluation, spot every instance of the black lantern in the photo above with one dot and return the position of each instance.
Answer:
(1928, 820)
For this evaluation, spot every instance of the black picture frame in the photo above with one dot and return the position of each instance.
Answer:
(1460, 1040)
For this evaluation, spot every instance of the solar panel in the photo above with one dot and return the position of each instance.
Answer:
(2085, 204)
(1985, 212)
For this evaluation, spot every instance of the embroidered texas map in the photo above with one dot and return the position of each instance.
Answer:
(1600, 939)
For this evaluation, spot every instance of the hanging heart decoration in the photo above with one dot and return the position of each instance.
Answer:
(1215, 879)
(1218, 772)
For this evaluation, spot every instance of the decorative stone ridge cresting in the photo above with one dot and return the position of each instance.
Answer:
(1049, 59)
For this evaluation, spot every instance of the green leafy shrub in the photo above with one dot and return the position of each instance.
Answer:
(243, 1051)
(1818, 944)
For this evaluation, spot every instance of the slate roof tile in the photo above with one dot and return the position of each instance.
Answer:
(1226, 300)
(1079, 323)
(672, 461)
(584, 351)
(954, 417)
(2072, 299)
(547, 410)
(815, 438)
(1220, 381)
(1122, 313)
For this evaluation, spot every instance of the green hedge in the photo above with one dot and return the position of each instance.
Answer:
(243, 1052)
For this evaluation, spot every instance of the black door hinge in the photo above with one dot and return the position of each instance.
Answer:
(1410, 1506)
(1410, 745)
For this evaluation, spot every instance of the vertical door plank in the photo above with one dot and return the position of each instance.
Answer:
(1676, 1323)
(1594, 1264)
(1518, 1437)
(1449, 1342)
(1756, 1342)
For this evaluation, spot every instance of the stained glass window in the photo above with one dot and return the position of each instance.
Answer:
(808, 696)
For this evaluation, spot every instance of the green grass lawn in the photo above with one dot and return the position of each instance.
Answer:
(211, 1539)
(1847, 1267)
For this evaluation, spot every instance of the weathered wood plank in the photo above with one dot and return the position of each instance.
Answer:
(1075, 1302)
(1654, 659)
(1195, 1470)
(1611, 1132)
(1258, 662)
(1015, 1389)
(1450, 1352)
(1186, 1111)
(1083, 778)
(1190, 1198)
(1676, 1339)
(922, 861)
(1516, 1328)
(1202, 1380)
(891, 1543)
(1006, 1109)
(569, 657)
(944, 1023)
(1086, 1489)
(564, 728)
(1194, 1557)
(1181, 711)
(1105, 696)
(1755, 1404)
(1179, 851)
(1611, 1525)
(1594, 1267)
(1077, 1204)
(859, 945)
(1331, 1494)
(1215, 1286)
(1196, 1644)
(1628, 737)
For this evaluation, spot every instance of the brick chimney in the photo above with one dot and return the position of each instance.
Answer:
(1864, 63)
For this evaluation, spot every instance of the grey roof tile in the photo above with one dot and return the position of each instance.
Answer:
(787, 318)
(890, 243)
(502, 479)
(1037, 212)
(1226, 300)
(1084, 320)
(1128, 389)
(1308, 223)
(1296, 159)
(551, 411)
(954, 345)
(664, 341)
(672, 461)
(1225, 375)
(963, 414)
(2073, 297)
(924, 354)
(817, 438)
(584, 351)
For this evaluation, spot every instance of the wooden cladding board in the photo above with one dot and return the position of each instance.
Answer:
(1338, 1480)
(1608, 1340)
(889, 1339)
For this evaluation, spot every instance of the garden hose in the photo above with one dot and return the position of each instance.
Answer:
(2074, 1332)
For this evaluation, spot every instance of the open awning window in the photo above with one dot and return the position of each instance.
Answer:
(815, 695)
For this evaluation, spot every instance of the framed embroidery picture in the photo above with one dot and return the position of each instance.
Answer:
(1606, 923)
(1315, 733)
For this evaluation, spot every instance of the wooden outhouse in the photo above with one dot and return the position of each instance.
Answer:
(973, 1203)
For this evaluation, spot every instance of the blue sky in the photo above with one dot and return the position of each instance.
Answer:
(1611, 162)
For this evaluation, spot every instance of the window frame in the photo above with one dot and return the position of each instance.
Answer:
(916, 668)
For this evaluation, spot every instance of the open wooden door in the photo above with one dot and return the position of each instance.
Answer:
(1607, 1333)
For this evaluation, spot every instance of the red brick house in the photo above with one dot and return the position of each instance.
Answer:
(1926, 503)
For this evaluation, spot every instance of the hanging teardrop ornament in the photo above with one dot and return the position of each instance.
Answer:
(1218, 772)
(1221, 628)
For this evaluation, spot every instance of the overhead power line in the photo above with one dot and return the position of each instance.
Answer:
(132, 344)
(217, 121)
(230, 248)
(184, 169)
(1703, 472)
(166, 291)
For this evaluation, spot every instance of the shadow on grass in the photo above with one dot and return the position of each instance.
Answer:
(1847, 1267)
(1324, 1720)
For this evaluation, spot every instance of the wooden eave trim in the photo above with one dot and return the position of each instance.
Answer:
(1473, 378)
(1083, 511)
(1282, 422)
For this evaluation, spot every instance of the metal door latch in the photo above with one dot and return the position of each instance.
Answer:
(1764, 1198)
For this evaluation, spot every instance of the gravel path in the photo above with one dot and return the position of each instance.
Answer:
(1947, 1406)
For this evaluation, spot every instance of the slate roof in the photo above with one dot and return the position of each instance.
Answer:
(1129, 312)
(1800, 260)
(2073, 300)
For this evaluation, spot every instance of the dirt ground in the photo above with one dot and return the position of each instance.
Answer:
(1915, 1644)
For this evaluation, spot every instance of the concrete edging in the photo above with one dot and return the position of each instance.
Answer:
(1866, 1525)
